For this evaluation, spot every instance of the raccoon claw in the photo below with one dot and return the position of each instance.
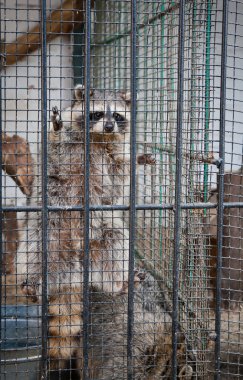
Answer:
(56, 119)
(55, 110)
(186, 372)
(30, 290)
(146, 159)
(140, 274)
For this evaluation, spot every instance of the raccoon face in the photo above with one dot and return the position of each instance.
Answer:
(109, 114)
(108, 119)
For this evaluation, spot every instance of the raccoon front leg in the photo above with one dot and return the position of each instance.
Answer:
(29, 258)
(63, 262)
(109, 256)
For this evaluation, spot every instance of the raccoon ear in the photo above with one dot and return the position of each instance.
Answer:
(79, 92)
(126, 96)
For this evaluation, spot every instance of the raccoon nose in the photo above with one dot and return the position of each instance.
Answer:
(109, 127)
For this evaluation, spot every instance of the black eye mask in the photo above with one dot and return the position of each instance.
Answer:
(96, 116)
(118, 118)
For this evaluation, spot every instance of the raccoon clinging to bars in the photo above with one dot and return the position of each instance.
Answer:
(108, 239)
(108, 176)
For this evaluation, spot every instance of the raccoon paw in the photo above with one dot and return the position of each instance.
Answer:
(139, 276)
(146, 159)
(56, 119)
(61, 351)
(55, 110)
(186, 372)
(30, 290)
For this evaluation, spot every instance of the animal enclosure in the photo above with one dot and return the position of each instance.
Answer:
(121, 189)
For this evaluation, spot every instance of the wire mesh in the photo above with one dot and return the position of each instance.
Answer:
(121, 189)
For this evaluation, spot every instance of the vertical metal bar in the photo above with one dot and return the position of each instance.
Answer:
(162, 120)
(192, 167)
(220, 213)
(193, 99)
(44, 189)
(86, 192)
(132, 214)
(207, 100)
(177, 206)
(1, 193)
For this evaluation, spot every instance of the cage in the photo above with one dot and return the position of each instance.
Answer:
(121, 189)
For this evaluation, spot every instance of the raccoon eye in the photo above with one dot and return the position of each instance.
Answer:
(118, 117)
(95, 116)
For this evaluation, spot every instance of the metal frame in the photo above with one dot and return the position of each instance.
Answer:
(220, 213)
(177, 205)
(44, 139)
(133, 207)
(86, 191)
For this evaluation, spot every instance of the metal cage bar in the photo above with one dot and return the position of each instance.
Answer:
(44, 214)
(1, 192)
(155, 206)
(185, 99)
(132, 198)
(177, 206)
(86, 191)
(220, 211)
(207, 96)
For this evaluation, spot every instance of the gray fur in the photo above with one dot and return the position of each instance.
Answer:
(109, 174)
(152, 338)
(109, 252)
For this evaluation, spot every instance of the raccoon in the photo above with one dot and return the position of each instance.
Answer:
(109, 240)
(109, 175)
(151, 338)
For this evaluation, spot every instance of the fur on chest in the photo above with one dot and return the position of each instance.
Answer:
(108, 170)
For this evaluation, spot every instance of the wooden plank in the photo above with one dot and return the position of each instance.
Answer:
(17, 161)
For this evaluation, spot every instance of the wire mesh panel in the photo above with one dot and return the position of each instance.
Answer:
(121, 189)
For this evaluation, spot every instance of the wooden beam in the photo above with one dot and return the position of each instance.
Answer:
(17, 161)
(61, 21)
